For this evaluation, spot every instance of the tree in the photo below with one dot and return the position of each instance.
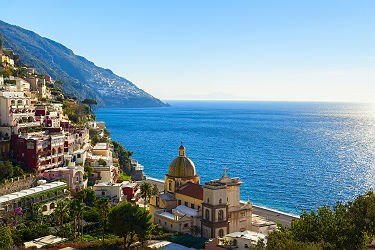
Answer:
(61, 211)
(104, 207)
(361, 213)
(6, 240)
(344, 226)
(129, 221)
(146, 192)
(77, 208)
(88, 196)
(90, 102)
(155, 190)
(58, 82)
(123, 157)
(6, 170)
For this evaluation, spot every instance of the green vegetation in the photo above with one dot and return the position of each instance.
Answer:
(130, 222)
(7, 170)
(77, 113)
(123, 157)
(146, 191)
(345, 226)
(103, 205)
(96, 137)
(90, 102)
(123, 177)
(88, 196)
(6, 240)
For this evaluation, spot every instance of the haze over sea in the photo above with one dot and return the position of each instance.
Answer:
(290, 155)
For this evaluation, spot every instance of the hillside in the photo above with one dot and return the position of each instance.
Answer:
(81, 77)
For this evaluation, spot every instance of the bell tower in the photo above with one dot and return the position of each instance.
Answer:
(215, 210)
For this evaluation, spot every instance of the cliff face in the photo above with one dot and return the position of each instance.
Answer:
(81, 77)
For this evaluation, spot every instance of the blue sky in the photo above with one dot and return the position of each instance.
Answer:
(298, 50)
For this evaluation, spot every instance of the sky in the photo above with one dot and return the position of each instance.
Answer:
(302, 50)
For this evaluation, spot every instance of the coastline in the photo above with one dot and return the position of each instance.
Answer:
(265, 212)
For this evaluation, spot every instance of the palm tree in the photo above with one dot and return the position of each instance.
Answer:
(77, 208)
(146, 191)
(104, 206)
(61, 211)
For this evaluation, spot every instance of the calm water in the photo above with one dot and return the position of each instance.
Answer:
(290, 156)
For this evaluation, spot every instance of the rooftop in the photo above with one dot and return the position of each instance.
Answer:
(44, 241)
(32, 191)
(167, 197)
(101, 146)
(249, 235)
(181, 209)
(192, 190)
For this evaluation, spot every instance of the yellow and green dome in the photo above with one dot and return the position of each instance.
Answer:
(182, 166)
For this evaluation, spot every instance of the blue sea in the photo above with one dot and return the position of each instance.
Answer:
(290, 155)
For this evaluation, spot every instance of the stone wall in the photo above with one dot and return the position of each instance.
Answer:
(17, 184)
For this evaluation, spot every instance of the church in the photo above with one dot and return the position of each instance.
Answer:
(209, 210)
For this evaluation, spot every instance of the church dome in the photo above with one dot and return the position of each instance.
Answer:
(182, 166)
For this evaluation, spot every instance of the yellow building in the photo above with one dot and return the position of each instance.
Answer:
(213, 208)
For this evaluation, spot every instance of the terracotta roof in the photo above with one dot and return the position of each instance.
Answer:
(192, 190)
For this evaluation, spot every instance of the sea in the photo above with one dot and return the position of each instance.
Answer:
(290, 156)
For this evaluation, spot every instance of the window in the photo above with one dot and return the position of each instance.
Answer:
(220, 201)
(192, 206)
(186, 204)
(221, 233)
(157, 201)
(170, 185)
(246, 246)
(179, 202)
(13, 102)
(199, 207)
(207, 214)
(221, 215)
(171, 225)
(103, 193)
(208, 200)
(30, 145)
(186, 225)
(165, 223)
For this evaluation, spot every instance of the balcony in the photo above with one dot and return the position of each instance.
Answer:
(28, 124)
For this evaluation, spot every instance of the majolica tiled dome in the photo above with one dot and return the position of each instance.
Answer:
(182, 166)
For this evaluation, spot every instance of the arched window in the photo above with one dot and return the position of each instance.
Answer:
(220, 201)
(52, 206)
(170, 185)
(208, 200)
(221, 215)
(53, 151)
(207, 214)
(221, 233)
(13, 102)
(44, 208)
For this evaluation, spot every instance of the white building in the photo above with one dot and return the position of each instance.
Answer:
(16, 111)
(180, 219)
(48, 202)
(112, 191)
(243, 240)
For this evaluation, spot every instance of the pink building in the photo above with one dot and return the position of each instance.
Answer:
(73, 175)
